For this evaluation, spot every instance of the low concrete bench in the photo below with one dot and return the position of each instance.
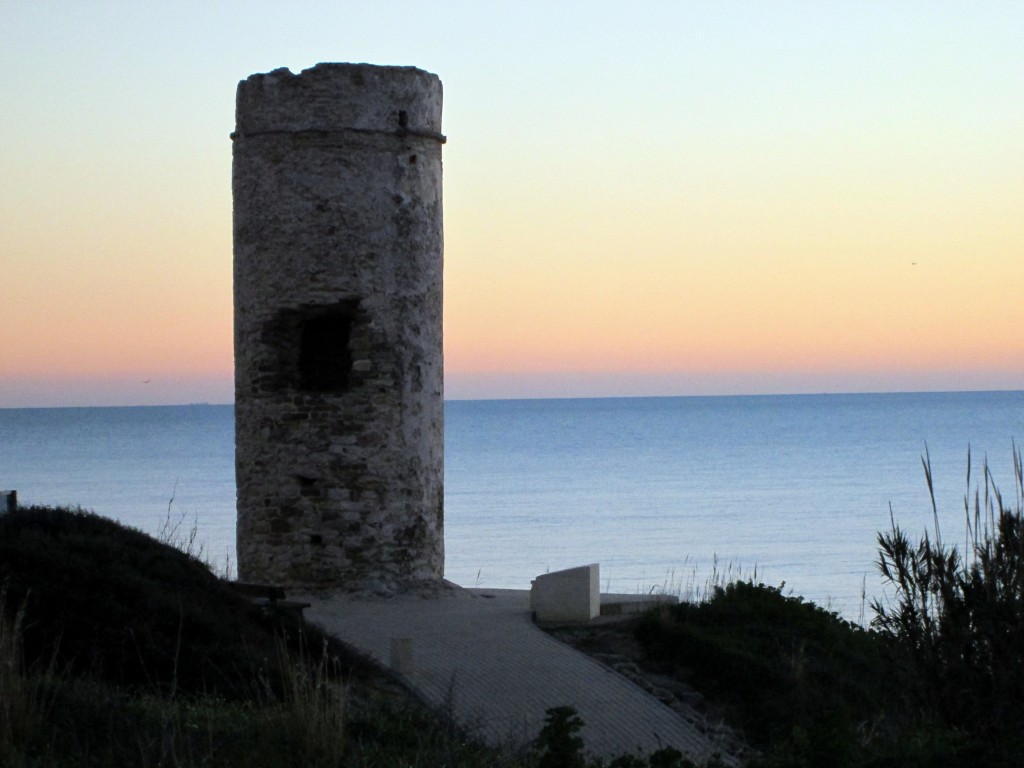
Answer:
(270, 597)
(572, 595)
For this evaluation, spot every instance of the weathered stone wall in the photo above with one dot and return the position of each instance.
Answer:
(338, 333)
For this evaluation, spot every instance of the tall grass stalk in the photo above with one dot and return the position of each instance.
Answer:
(959, 617)
(313, 709)
(685, 584)
(13, 700)
(25, 695)
(173, 531)
(177, 531)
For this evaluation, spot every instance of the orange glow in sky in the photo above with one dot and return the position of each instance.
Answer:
(671, 198)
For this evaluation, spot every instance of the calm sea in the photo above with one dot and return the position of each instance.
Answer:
(662, 492)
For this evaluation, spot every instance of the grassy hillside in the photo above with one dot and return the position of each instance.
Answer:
(116, 649)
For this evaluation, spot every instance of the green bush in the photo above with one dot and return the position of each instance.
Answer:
(559, 744)
(791, 675)
(958, 619)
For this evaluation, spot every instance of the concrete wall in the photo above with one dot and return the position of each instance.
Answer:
(338, 336)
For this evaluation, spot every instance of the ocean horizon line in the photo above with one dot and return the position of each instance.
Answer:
(572, 398)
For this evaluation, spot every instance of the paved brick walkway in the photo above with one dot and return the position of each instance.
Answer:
(478, 654)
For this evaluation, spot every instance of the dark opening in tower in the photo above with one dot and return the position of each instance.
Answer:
(324, 357)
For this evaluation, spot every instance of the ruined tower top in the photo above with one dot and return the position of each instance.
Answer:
(358, 97)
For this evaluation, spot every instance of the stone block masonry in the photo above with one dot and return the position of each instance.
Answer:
(338, 334)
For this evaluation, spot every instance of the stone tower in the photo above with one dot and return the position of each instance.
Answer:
(338, 340)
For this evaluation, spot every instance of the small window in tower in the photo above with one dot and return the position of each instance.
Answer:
(324, 358)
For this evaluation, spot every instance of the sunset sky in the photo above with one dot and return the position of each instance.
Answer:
(643, 198)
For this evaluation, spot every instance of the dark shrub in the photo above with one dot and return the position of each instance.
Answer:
(959, 620)
(790, 674)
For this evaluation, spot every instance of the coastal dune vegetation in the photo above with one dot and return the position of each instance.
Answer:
(119, 649)
(935, 679)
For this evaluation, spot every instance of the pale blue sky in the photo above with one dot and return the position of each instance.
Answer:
(727, 195)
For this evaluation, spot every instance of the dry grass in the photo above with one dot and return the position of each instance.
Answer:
(117, 650)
